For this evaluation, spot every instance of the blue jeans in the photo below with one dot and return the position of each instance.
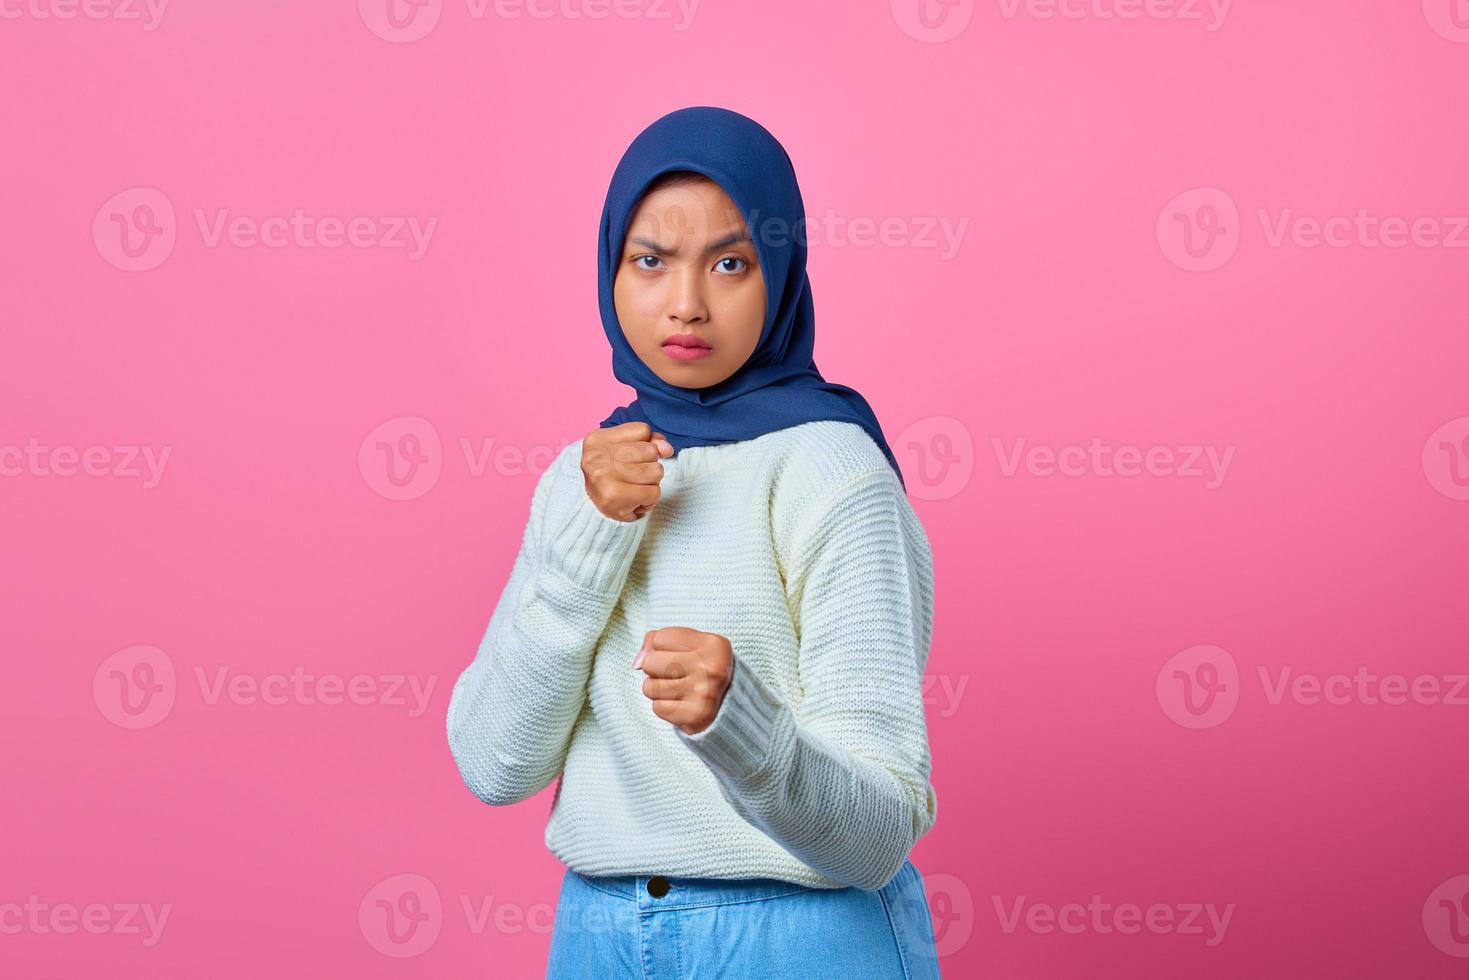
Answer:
(618, 928)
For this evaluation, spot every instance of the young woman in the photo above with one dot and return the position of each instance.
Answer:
(715, 627)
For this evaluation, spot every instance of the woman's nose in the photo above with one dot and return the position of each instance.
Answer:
(687, 300)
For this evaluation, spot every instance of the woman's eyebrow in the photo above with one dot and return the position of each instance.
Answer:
(725, 242)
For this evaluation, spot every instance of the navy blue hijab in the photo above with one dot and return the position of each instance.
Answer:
(779, 386)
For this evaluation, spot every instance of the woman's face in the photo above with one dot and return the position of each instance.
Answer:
(689, 270)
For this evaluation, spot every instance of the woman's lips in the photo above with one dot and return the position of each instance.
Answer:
(680, 353)
(687, 351)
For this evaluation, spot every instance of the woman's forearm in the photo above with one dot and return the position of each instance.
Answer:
(853, 819)
(839, 776)
(513, 708)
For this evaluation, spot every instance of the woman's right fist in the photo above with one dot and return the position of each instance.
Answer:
(620, 466)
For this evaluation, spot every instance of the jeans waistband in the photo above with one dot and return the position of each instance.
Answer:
(686, 892)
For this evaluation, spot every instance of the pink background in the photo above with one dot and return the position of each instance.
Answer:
(1069, 758)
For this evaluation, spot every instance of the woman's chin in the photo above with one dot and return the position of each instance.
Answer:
(689, 378)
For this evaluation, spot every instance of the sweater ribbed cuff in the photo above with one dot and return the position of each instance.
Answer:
(738, 740)
(594, 550)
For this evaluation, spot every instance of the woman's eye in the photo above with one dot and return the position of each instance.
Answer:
(731, 258)
(654, 258)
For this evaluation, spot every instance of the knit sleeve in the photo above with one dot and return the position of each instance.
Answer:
(841, 780)
(512, 709)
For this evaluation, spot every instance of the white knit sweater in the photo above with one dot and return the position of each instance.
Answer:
(801, 548)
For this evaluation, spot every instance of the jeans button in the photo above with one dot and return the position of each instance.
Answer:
(657, 886)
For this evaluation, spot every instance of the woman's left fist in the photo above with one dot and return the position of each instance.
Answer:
(688, 672)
